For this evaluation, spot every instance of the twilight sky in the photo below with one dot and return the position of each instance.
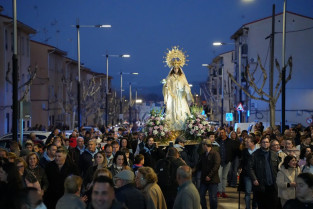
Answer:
(144, 29)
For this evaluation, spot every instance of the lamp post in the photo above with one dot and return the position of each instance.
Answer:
(130, 102)
(78, 64)
(107, 83)
(121, 99)
(283, 82)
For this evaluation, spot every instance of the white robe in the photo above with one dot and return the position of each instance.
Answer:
(177, 94)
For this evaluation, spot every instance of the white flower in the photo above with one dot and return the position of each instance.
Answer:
(196, 128)
(198, 134)
(157, 122)
(191, 132)
(155, 132)
(190, 126)
(162, 133)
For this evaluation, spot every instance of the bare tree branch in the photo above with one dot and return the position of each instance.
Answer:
(243, 89)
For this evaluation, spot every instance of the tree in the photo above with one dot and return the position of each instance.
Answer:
(262, 95)
(25, 86)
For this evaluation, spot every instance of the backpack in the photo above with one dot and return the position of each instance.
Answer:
(166, 173)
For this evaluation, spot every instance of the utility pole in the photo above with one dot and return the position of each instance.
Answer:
(271, 75)
(14, 77)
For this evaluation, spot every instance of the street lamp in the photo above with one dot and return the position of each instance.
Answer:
(107, 83)
(78, 64)
(121, 100)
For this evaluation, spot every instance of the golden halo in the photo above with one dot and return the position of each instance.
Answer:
(175, 57)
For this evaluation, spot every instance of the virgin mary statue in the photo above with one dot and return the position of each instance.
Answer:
(176, 91)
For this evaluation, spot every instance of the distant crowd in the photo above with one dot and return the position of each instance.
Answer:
(124, 168)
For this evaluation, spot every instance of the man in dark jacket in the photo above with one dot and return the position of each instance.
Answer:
(75, 153)
(228, 149)
(169, 189)
(243, 168)
(263, 169)
(87, 158)
(126, 191)
(57, 171)
(209, 164)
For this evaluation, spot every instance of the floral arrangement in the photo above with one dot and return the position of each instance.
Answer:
(197, 125)
(155, 126)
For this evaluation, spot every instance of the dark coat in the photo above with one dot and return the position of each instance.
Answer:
(85, 161)
(231, 149)
(209, 165)
(244, 162)
(41, 176)
(74, 154)
(131, 197)
(257, 168)
(151, 154)
(56, 178)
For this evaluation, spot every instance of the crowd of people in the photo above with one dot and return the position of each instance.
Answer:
(124, 168)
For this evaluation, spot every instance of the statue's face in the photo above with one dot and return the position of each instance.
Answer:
(175, 70)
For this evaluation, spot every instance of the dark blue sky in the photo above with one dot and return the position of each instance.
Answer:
(144, 29)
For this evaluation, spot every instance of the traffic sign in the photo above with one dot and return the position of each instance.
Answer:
(229, 116)
(240, 107)
(309, 120)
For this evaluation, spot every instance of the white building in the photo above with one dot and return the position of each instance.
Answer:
(253, 40)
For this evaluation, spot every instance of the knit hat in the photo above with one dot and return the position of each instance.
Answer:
(125, 175)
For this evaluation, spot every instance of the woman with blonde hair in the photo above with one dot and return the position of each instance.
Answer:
(146, 180)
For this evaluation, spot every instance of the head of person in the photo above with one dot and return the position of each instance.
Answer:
(141, 136)
(139, 159)
(126, 151)
(115, 146)
(60, 156)
(32, 160)
(265, 143)
(150, 141)
(307, 140)
(12, 157)
(102, 194)
(172, 152)
(309, 159)
(211, 136)
(223, 133)
(124, 177)
(181, 141)
(275, 146)
(144, 176)
(289, 143)
(51, 150)
(244, 134)
(57, 141)
(206, 145)
(80, 142)
(56, 132)
(29, 146)
(102, 172)
(92, 145)
(304, 188)
(100, 159)
(183, 174)
(290, 162)
(72, 184)
(3, 153)
(36, 148)
(250, 141)
(304, 152)
(21, 165)
(120, 159)
(233, 135)
(124, 143)
(108, 149)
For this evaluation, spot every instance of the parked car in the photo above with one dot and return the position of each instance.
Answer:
(41, 137)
